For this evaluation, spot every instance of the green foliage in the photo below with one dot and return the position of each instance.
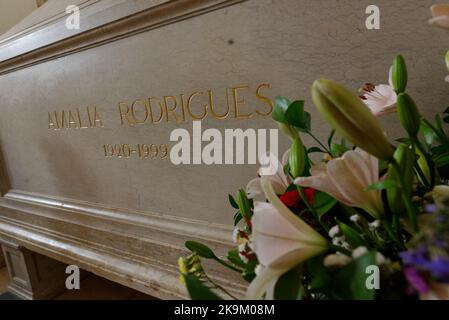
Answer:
(197, 290)
(288, 287)
(408, 114)
(202, 250)
(349, 283)
(291, 113)
(352, 236)
(399, 74)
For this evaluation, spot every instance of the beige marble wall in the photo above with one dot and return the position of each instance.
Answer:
(12, 11)
(135, 214)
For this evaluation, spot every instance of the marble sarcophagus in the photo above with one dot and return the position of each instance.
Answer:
(87, 112)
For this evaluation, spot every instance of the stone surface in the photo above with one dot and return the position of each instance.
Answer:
(127, 219)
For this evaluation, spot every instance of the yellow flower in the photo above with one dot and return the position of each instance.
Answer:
(350, 118)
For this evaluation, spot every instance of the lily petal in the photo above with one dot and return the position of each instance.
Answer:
(441, 21)
(262, 282)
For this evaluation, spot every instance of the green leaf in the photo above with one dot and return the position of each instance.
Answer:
(280, 108)
(428, 133)
(288, 287)
(446, 111)
(201, 249)
(233, 202)
(197, 290)
(297, 117)
(349, 283)
(438, 123)
(322, 203)
(446, 119)
(237, 218)
(315, 150)
(351, 235)
(319, 274)
(441, 160)
(338, 149)
(386, 184)
(331, 137)
(234, 257)
(404, 140)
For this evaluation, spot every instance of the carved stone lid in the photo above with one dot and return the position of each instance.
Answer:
(43, 34)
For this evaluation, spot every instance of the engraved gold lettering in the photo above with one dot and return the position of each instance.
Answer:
(60, 121)
(151, 110)
(72, 121)
(124, 115)
(144, 105)
(264, 99)
(239, 102)
(97, 118)
(51, 123)
(79, 118)
(173, 108)
(189, 104)
(212, 106)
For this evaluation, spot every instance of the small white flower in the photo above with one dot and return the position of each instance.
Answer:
(380, 259)
(355, 218)
(359, 251)
(345, 245)
(242, 247)
(336, 260)
(375, 224)
(235, 235)
(334, 231)
(338, 240)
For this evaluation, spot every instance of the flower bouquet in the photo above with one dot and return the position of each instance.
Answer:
(368, 220)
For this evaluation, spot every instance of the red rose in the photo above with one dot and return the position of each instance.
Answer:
(309, 193)
(293, 200)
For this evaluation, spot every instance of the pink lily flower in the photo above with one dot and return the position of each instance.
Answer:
(346, 179)
(380, 99)
(281, 240)
(440, 15)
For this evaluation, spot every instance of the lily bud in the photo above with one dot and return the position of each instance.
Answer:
(399, 74)
(243, 203)
(297, 159)
(405, 157)
(289, 130)
(408, 114)
(350, 118)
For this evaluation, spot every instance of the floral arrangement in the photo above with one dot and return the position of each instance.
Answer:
(368, 220)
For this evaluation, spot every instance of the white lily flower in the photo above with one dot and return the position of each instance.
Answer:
(380, 99)
(279, 180)
(281, 240)
(346, 179)
(440, 15)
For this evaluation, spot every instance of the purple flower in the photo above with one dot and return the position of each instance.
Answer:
(417, 257)
(416, 280)
(439, 268)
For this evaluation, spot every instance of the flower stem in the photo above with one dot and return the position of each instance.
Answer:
(228, 265)
(410, 207)
(311, 208)
(319, 142)
(341, 249)
(220, 287)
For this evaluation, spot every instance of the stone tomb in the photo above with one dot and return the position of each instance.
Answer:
(86, 118)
